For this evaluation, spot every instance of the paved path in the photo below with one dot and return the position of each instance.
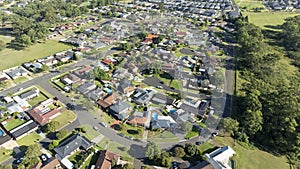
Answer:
(98, 139)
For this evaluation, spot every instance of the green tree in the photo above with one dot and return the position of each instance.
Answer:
(128, 166)
(229, 125)
(61, 134)
(2, 45)
(33, 151)
(152, 150)
(187, 126)
(179, 152)
(191, 149)
(51, 127)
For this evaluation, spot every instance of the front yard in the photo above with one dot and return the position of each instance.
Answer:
(4, 154)
(165, 136)
(20, 80)
(65, 118)
(29, 139)
(90, 132)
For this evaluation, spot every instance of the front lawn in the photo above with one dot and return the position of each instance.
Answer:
(90, 132)
(20, 80)
(15, 58)
(176, 84)
(65, 118)
(13, 123)
(247, 158)
(191, 134)
(206, 147)
(132, 131)
(165, 136)
(29, 139)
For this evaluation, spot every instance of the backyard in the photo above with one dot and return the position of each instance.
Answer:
(14, 57)
(4, 154)
(250, 158)
(29, 139)
(41, 97)
(13, 123)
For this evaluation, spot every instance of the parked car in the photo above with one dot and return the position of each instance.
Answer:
(70, 106)
(44, 157)
(95, 128)
(103, 124)
(21, 88)
(20, 160)
(159, 87)
(214, 134)
(199, 142)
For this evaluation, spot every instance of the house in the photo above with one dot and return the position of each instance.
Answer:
(86, 87)
(106, 158)
(3, 77)
(24, 129)
(16, 72)
(122, 73)
(192, 106)
(181, 116)
(142, 97)
(71, 144)
(125, 86)
(30, 94)
(162, 122)
(84, 72)
(53, 163)
(64, 56)
(120, 110)
(167, 66)
(95, 94)
(49, 61)
(159, 98)
(69, 79)
(13, 107)
(42, 115)
(107, 101)
(4, 137)
(220, 157)
(21, 102)
(33, 67)
(140, 119)
(132, 68)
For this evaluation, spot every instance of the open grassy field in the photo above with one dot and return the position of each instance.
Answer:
(247, 158)
(29, 139)
(14, 58)
(267, 19)
(166, 136)
(250, 5)
(13, 123)
(90, 132)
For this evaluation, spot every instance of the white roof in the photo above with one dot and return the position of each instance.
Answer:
(68, 164)
(166, 118)
(21, 102)
(8, 99)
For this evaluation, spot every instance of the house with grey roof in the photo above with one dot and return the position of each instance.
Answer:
(125, 86)
(142, 97)
(86, 87)
(29, 94)
(71, 144)
(24, 129)
(120, 110)
(16, 72)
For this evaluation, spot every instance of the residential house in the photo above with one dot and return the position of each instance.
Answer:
(162, 122)
(122, 73)
(16, 72)
(220, 157)
(181, 116)
(125, 86)
(49, 61)
(167, 67)
(71, 144)
(69, 79)
(194, 106)
(84, 72)
(33, 67)
(13, 107)
(86, 87)
(24, 129)
(96, 94)
(30, 94)
(4, 137)
(53, 163)
(3, 77)
(142, 97)
(140, 119)
(21, 102)
(43, 115)
(120, 110)
(161, 99)
(64, 56)
(106, 101)
(106, 158)
(132, 68)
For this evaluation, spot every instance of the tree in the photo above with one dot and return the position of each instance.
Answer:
(152, 150)
(187, 126)
(229, 125)
(146, 167)
(191, 149)
(217, 78)
(61, 134)
(51, 127)
(179, 152)
(8, 166)
(33, 151)
(24, 40)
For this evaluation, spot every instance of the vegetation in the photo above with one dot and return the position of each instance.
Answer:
(61, 134)
(4, 154)
(65, 118)
(268, 103)
(29, 139)
(13, 123)
(31, 156)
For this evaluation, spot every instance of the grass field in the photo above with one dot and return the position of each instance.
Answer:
(266, 19)
(14, 58)
(13, 123)
(253, 158)
(29, 139)
(20, 80)
(250, 5)
(64, 118)
(166, 136)
(41, 97)
(90, 132)
(206, 147)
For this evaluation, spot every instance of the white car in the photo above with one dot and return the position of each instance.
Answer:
(159, 87)
(103, 124)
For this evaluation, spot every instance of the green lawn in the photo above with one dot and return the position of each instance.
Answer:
(41, 97)
(4, 154)
(263, 19)
(131, 131)
(176, 84)
(29, 139)
(253, 158)
(250, 5)
(90, 132)
(14, 58)
(191, 134)
(206, 147)
(20, 79)
(116, 148)
(64, 118)
(90, 161)
(13, 123)
(165, 136)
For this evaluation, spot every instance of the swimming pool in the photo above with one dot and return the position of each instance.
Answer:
(155, 116)
(1, 133)
(172, 111)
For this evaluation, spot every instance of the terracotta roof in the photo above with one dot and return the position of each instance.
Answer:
(42, 118)
(106, 61)
(105, 159)
(151, 36)
(51, 164)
